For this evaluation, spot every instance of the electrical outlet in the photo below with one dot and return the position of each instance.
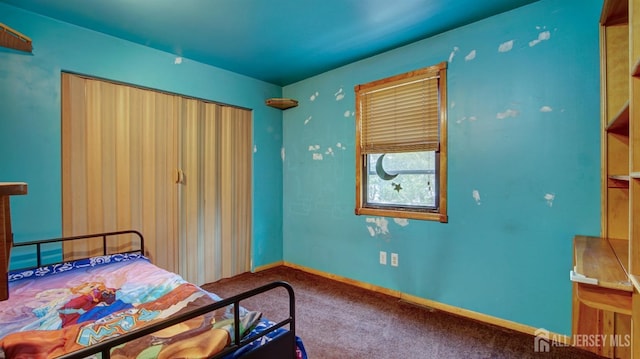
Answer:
(383, 257)
(394, 259)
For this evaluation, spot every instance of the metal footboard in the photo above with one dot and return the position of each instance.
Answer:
(104, 348)
(282, 346)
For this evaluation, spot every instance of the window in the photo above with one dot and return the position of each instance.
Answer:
(401, 145)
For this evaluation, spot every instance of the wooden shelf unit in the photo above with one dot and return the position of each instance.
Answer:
(7, 189)
(606, 283)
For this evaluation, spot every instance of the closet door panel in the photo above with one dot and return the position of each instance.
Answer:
(119, 159)
(216, 193)
(236, 188)
(191, 240)
(212, 175)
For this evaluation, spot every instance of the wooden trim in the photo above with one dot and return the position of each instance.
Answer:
(5, 245)
(428, 216)
(12, 188)
(420, 72)
(603, 133)
(442, 174)
(606, 299)
(635, 338)
(635, 280)
(485, 318)
(268, 266)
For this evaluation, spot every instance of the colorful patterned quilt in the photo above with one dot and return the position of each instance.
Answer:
(62, 308)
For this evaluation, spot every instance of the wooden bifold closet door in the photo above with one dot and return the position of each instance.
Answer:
(177, 169)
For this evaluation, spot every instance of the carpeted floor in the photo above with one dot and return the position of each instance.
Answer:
(337, 320)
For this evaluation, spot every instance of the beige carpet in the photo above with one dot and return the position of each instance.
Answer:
(336, 320)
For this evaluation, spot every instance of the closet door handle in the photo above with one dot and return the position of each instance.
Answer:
(180, 176)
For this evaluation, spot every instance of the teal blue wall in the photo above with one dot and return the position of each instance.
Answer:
(30, 118)
(536, 170)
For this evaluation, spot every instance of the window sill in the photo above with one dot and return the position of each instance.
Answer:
(425, 216)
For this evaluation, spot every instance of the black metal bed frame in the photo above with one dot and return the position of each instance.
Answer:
(282, 346)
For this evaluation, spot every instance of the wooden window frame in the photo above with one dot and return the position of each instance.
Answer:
(362, 207)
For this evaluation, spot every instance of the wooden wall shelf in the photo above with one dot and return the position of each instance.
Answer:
(13, 39)
(282, 103)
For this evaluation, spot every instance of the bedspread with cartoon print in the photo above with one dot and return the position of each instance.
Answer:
(58, 309)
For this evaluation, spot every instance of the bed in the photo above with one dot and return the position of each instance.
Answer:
(120, 305)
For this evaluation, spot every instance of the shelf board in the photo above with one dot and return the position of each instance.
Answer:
(614, 12)
(636, 69)
(620, 122)
(616, 301)
(635, 175)
(598, 258)
(636, 281)
(618, 181)
(282, 103)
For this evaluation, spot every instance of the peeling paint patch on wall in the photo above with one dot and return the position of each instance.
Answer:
(507, 113)
(255, 148)
(379, 226)
(348, 113)
(319, 156)
(464, 118)
(178, 60)
(546, 109)
(453, 53)
(549, 197)
(314, 96)
(339, 95)
(543, 36)
(401, 221)
(470, 56)
(307, 120)
(282, 153)
(506, 46)
(476, 196)
(329, 152)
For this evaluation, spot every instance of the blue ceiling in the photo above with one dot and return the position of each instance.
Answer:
(277, 41)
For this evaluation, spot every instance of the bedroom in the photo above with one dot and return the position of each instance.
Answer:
(524, 155)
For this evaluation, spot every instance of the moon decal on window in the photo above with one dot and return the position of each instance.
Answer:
(381, 172)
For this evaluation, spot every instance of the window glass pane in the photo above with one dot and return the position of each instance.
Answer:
(402, 179)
